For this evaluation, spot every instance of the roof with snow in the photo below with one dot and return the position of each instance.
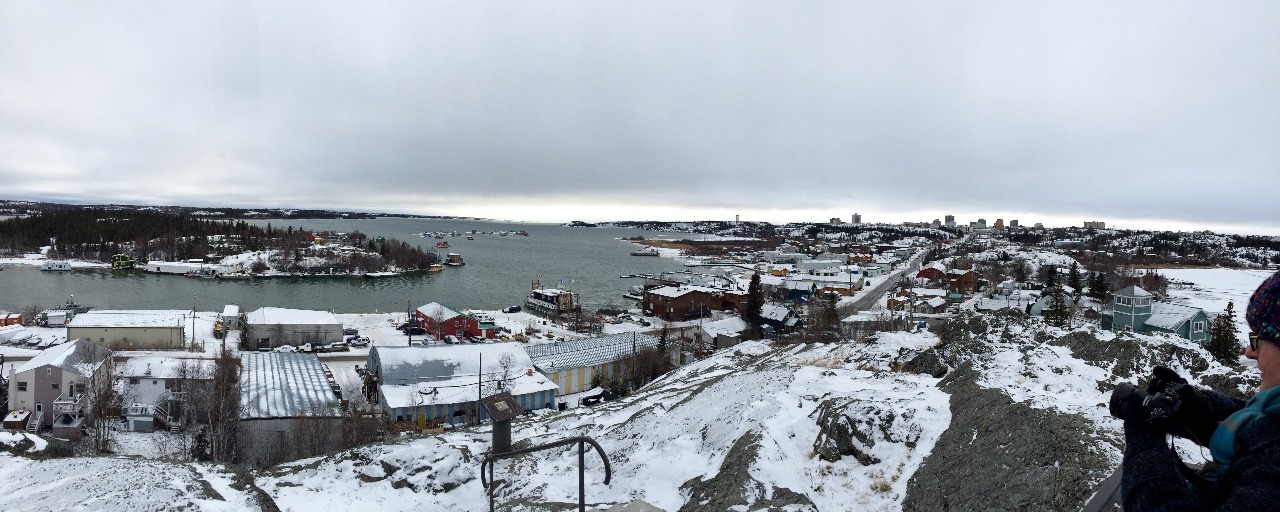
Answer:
(81, 356)
(732, 326)
(130, 318)
(437, 312)
(286, 316)
(167, 368)
(1169, 316)
(1133, 291)
(457, 390)
(774, 312)
(678, 291)
(284, 385)
(551, 357)
(438, 363)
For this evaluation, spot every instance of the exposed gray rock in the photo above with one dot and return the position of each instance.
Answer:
(926, 362)
(733, 486)
(848, 426)
(998, 454)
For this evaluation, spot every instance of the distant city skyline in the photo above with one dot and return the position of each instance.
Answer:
(1157, 115)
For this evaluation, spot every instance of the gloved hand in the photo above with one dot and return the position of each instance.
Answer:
(1176, 409)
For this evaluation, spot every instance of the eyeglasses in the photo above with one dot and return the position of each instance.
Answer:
(1253, 341)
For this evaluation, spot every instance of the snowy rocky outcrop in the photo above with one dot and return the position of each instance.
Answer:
(994, 411)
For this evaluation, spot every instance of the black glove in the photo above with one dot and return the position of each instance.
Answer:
(1175, 407)
(1127, 405)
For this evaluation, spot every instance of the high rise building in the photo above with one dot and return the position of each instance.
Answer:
(999, 224)
(950, 221)
(1013, 223)
(857, 218)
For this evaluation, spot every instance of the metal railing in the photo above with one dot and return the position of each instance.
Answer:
(65, 404)
(1108, 495)
(490, 459)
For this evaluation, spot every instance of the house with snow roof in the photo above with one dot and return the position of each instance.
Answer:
(49, 390)
(1135, 309)
(578, 365)
(443, 383)
(440, 321)
(780, 318)
(132, 329)
(289, 409)
(157, 390)
(268, 328)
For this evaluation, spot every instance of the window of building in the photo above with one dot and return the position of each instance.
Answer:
(22, 386)
(48, 371)
(133, 380)
(56, 385)
(1198, 326)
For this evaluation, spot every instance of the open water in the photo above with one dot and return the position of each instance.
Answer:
(498, 273)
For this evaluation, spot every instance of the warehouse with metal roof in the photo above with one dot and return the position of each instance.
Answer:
(288, 408)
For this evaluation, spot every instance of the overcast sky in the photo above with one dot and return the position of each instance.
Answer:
(1141, 114)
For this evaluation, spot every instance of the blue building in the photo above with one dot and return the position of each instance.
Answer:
(1135, 309)
(443, 383)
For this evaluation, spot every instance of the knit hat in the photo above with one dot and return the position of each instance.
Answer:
(1263, 314)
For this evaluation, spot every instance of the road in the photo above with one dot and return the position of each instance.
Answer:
(872, 297)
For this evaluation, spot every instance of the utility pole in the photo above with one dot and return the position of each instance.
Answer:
(408, 324)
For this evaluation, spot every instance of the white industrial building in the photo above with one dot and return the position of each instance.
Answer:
(132, 329)
(268, 328)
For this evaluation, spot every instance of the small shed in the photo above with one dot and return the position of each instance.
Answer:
(231, 316)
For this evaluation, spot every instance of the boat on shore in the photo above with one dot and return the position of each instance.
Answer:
(647, 251)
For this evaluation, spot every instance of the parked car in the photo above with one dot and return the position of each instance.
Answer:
(416, 331)
(285, 348)
(337, 347)
(309, 348)
(358, 341)
(350, 331)
(512, 309)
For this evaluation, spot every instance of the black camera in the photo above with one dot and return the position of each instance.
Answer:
(1130, 403)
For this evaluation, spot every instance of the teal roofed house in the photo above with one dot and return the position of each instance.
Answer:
(1135, 309)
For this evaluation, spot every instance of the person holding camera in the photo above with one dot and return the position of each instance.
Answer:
(1243, 436)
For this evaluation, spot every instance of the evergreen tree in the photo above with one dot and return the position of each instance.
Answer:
(1074, 281)
(1056, 313)
(754, 307)
(1098, 288)
(1049, 274)
(1223, 343)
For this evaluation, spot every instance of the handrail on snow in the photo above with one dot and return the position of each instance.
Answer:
(1108, 494)
(581, 441)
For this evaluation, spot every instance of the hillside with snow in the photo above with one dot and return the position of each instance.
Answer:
(990, 412)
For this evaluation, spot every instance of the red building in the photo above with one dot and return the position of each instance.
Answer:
(440, 321)
(962, 281)
(687, 302)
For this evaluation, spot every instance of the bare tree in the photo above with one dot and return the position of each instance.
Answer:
(102, 405)
(224, 407)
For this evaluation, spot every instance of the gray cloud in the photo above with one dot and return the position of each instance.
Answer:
(1155, 110)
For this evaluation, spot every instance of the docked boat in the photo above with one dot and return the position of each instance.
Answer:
(454, 260)
(435, 267)
(56, 266)
(551, 301)
(647, 251)
(381, 274)
(122, 262)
